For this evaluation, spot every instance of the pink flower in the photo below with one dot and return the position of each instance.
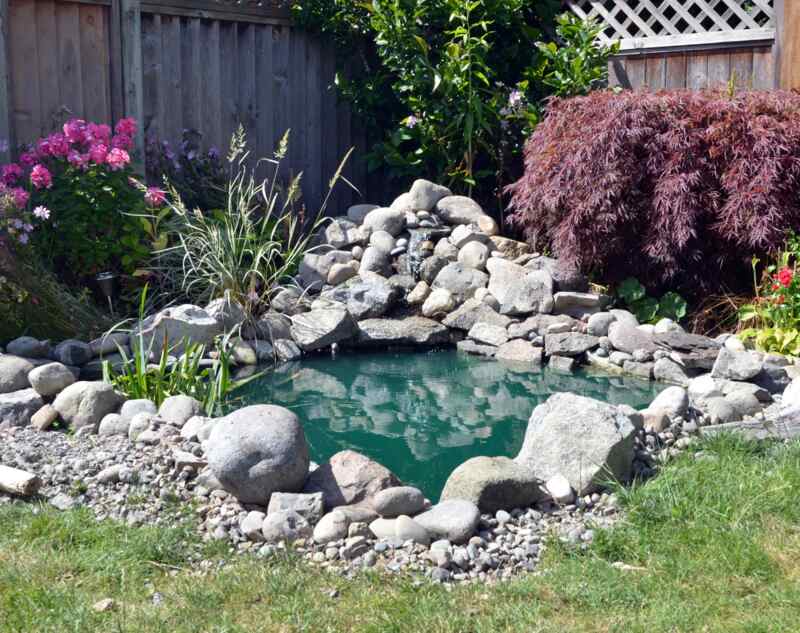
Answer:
(75, 130)
(155, 197)
(59, 146)
(78, 160)
(98, 153)
(40, 177)
(117, 158)
(20, 196)
(98, 133)
(28, 159)
(10, 173)
(43, 213)
(126, 127)
(122, 141)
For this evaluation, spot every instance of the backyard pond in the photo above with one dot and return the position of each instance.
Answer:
(421, 414)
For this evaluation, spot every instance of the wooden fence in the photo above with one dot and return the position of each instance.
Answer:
(183, 64)
(695, 44)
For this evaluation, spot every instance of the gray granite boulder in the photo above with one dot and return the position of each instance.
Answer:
(459, 210)
(14, 373)
(393, 221)
(285, 526)
(473, 311)
(732, 365)
(258, 450)
(453, 519)
(177, 326)
(28, 347)
(309, 506)
(566, 277)
(520, 351)
(392, 502)
(407, 331)
(72, 352)
(519, 290)
(462, 282)
(17, 407)
(629, 338)
(51, 378)
(227, 313)
(569, 343)
(176, 410)
(321, 328)
(587, 441)
(86, 403)
(492, 484)
(424, 195)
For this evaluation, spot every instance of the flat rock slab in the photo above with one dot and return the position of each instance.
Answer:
(454, 519)
(569, 343)
(408, 331)
(787, 428)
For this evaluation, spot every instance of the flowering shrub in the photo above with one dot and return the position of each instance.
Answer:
(677, 189)
(774, 315)
(199, 176)
(71, 197)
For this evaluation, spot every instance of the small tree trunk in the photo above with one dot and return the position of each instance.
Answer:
(19, 482)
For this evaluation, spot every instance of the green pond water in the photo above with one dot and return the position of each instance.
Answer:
(421, 414)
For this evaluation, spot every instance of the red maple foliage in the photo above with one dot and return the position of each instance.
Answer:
(677, 188)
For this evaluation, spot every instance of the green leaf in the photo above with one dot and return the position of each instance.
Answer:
(631, 290)
(672, 306)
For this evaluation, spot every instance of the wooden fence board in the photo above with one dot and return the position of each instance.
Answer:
(171, 103)
(94, 29)
(48, 71)
(212, 108)
(656, 69)
(676, 72)
(70, 77)
(24, 63)
(280, 86)
(6, 130)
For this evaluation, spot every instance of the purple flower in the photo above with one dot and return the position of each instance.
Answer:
(213, 153)
(515, 98)
(411, 121)
(23, 238)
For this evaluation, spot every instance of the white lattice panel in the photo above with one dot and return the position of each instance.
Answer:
(662, 23)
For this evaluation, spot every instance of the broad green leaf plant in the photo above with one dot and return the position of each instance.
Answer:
(649, 309)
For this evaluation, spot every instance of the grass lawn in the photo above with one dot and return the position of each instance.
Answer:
(718, 540)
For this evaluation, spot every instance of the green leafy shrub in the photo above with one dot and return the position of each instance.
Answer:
(772, 320)
(649, 309)
(453, 87)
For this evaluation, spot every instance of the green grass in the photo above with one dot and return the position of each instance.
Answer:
(718, 541)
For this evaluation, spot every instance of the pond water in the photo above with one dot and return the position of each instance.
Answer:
(421, 414)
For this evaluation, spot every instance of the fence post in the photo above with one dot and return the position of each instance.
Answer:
(132, 97)
(6, 133)
(787, 44)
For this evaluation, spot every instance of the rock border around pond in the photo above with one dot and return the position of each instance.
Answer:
(429, 270)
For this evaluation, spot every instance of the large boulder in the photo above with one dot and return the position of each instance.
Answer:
(519, 290)
(28, 347)
(629, 338)
(587, 441)
(271, 326)
(492, 484)
(348, 478)
(459, 210)
(462, 282)
(453, 519)
(577, 303)
(322, 328)
(14, 373)
(393, 221)
(473, 311)
(72, 352)
(86, 403)
(258, 450)
(315, 267)
(520, 351)
(407, 331)
(226, 312)
(51, 378)
(177, 410)
(310, 507)
(566, 277)
(17, 407)
(343, 232)
(176, 326)
(369, 297)
(569, 343)
(732, 365)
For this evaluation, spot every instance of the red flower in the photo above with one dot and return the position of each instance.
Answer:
(785, 276)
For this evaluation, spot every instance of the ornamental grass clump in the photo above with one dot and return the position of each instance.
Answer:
(678, 189)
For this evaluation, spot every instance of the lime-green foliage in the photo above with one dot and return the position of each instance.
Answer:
(714, 542)
(649, 309)
(772, 320)
(245, 250)
(178, 370)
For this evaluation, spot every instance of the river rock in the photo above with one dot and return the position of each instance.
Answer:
(474, 255)
(585, 440)
(374, 260)
(492, 484)
(285, 526)
(331, 527)
(407, 331)
(86, 403)
(599, 322)
(393, 221)
(459, 210)
(258, 450)
(566, 277)
(228, 313)
(424, 195)
(569, 343)
(348, 478)
(51, 378)
(520, 351)
(72, 352)
(309, 506)
(667, 370)
(14, 373)
(461, 281)
(316, 266)
(488, 334)
(358, 212)
(18, 407)
(576, 303)
(629, 338)
(674, 401)
(176, 326)
(452, 519)
(519, 291)
(176, 410)
(392, 502)
(28, 347)
(473, 311)
(343, 232)
(407, 529)
(322, 328)
(439, 302)
(732, 365)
